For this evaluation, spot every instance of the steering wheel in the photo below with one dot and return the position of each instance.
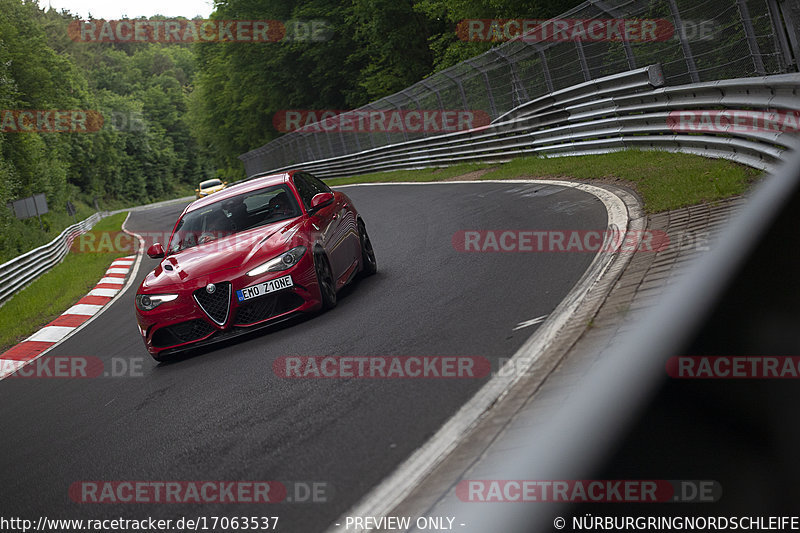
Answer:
(205, 237)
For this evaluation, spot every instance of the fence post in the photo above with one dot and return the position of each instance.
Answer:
(615, 13)
(752, 44)
(489, 94)
(518, 93)
(791, 25)
(778, 33)
(687, 51)
(460, 89)
(545, 69)
(402, 125)
(582, 58)
(438, 98)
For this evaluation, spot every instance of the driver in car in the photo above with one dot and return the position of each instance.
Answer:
(236, 212)
(279, 205)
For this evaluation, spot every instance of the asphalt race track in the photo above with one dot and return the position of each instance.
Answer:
(222, 414)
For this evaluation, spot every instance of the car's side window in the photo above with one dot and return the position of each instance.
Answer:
(305, 189)
(318, 185)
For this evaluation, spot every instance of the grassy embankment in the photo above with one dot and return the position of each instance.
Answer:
(55, 291)
(664, 180)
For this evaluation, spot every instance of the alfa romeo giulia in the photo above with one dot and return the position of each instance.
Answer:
(254, 254)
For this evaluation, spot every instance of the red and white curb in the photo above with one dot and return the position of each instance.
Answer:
(85, 309)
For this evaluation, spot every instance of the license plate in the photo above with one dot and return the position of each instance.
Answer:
(254, 291)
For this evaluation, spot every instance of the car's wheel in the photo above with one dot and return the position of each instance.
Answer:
(327, 287)
(368, 262)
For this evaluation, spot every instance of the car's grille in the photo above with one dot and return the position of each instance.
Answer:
(180, 333)
(216, 304)
(266, 306)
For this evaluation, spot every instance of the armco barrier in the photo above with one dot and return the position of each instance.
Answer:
(712, 40)
(621, 111)
(21, 270)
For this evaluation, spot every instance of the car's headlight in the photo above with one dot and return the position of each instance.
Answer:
(281, 262)
(148, 302)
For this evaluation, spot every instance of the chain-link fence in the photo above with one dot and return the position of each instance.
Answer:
(705, 40)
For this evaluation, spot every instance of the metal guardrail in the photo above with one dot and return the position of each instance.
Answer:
(712, 40)
(18, 272)
(617, 112)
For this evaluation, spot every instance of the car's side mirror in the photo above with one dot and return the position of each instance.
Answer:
(224, 182)
(320, 200)
(156, 251)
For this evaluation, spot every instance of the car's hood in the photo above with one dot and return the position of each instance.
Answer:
(240, 251)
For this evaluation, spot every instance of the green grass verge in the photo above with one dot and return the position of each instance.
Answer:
(426, 174)
(55, 291)
(665, 180)
(20, 236)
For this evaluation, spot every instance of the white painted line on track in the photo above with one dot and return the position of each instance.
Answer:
(531, 322)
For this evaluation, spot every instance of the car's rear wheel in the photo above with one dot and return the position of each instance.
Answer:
(327, 287)
(368, 262)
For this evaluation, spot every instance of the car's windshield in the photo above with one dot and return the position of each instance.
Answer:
(232, 215)
(210, 183)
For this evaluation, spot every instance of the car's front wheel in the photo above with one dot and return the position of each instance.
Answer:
(368, 262)
(327, 287)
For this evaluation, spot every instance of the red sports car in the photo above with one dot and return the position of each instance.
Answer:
(254, 254)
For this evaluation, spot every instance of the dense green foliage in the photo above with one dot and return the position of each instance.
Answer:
(178, 113)
(144, 150)
(375, 48)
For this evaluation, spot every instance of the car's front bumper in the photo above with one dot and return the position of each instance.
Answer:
(188, 321)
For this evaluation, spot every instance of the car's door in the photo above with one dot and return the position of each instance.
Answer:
(348, 244)
(326, 221)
